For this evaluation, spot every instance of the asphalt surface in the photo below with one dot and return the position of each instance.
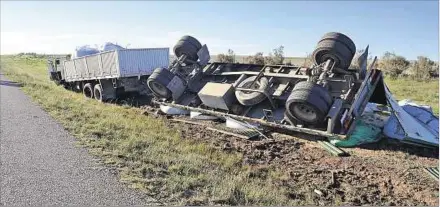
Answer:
(40, 164)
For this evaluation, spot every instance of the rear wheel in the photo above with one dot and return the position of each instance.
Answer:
(309, 103)
(88, 90)
(188, 46)
(158, 82)
(336, 46)
(97, 91)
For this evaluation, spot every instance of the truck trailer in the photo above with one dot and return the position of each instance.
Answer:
(107, 74)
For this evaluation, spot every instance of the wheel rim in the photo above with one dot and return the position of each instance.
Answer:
(256, 86)
(159, 89)
(304, 112)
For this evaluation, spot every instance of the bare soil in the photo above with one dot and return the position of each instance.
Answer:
(384, 173)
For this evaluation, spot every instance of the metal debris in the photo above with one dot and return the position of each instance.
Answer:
(240, 133)
(332, 149)
(432, 171)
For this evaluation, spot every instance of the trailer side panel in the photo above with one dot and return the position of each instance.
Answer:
(134, 62)
(116, 64)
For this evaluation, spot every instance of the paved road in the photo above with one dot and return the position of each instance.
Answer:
(41, 166)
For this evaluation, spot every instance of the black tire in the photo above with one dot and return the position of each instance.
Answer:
(335, 50)
(308, 103)
(88, 90)
(307, 86)
(97, 92)
(252, 98)
(158, 81)
(186, 48)
(192, 40)
(189, 46)
(103, 95)
(340, 38)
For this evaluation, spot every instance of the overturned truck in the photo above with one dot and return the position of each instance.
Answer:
(324, 99)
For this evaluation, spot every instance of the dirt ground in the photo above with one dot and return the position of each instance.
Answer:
(384, 173)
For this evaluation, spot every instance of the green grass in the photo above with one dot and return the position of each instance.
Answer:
(154, 158)
(150, 156)
(422, 92)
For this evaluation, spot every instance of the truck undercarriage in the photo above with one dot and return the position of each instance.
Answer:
(323, 99)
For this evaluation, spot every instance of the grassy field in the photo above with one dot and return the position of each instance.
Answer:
(422, 92)
(150, 156)
(153, 157)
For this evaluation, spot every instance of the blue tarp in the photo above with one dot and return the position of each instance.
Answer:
(110, 46)
(86, 50)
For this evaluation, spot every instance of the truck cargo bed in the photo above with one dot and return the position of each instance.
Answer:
(116, 64)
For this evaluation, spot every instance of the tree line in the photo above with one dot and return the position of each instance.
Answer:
(391, 64)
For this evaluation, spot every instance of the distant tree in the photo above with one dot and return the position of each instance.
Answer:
(308, 61)
(227, 58)
(393, 65)
(277, 57)
(258, 58)
(423, 68)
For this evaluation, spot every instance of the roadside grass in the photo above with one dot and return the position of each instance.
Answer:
(154, 158)
(422, 92)
(149, 156)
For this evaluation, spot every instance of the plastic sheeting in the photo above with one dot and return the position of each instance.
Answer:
(85, 50)
(368, 128)
(110, 46)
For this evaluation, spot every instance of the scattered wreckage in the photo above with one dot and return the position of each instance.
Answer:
(326, 99)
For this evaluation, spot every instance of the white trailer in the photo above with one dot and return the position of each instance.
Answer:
(105, 75)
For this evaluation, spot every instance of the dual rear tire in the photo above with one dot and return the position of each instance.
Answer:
(308, 104)
(336, 46)
(189, 46)
(96, 91)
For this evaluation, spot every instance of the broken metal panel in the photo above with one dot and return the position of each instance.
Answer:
(332, 149)
(256, 121)
(203, 55)
(173, 111)
(362, 63)
(432, 171)
(248, 133)
(366, 91)
(201, 116)
(414, 131)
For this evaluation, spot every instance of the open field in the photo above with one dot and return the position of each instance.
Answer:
(422, 92)
(181, 164)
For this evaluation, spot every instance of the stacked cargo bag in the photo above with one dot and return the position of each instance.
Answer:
(86, 50)
(110, 46)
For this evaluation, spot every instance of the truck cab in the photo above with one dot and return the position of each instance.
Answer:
(55, 68)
